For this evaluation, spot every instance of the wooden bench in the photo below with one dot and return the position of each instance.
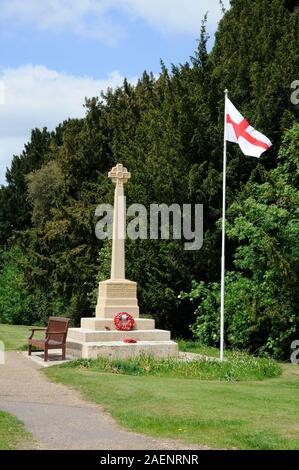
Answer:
(55, 337)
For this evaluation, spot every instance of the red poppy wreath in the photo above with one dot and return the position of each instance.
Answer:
(124, 321)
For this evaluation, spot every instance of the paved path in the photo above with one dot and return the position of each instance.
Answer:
(59, 418)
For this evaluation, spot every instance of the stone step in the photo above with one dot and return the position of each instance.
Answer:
(98, 324)
(120, 350)
(88, 336)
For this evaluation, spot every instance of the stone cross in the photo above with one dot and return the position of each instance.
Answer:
(119, 176)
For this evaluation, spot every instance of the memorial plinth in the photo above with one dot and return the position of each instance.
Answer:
(98, 336)
(96, 340)
(114, 294)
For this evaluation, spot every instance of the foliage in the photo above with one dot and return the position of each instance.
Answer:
(238, 367)
(168, 131)
(15, 300)
(262, 295)
(20, 303)
(15, 213)
(45, 190)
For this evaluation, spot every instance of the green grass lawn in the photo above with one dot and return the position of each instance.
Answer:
(12, 433)
(219, 413)
(197, 348)
(244, 415)
(16, 336)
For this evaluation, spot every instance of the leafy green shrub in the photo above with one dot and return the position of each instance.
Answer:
(253, 320)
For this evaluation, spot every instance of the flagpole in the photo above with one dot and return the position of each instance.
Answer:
(223, 238)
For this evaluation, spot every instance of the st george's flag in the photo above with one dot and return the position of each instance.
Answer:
(238, 130)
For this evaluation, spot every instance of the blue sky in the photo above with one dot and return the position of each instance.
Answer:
(56, 52)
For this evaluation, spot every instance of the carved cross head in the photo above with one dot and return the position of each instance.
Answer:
(119, 174)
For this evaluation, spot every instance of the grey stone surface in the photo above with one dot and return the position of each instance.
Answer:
(121, 350)
(90, 336)
(54, 358)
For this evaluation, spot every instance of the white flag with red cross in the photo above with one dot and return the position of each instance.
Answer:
(252, 143)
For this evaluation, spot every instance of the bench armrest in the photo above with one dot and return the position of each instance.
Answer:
(35, 329)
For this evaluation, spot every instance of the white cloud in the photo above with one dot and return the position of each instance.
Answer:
(175, 16)
(94, 18)
(87, 18)
(36, 97)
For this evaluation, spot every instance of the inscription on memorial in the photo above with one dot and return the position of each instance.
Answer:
(118, 290)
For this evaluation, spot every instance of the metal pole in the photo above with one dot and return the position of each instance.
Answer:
(223, 240)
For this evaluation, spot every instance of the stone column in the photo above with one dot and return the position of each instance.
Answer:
(118, 294)
(119, 176)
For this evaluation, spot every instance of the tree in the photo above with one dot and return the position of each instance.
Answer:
(168, 131)
(15, 213)
(262, 295)
(15, 299)
(46, 189)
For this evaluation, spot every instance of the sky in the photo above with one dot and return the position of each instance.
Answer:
(54, 53)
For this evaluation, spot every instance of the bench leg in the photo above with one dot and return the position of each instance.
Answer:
(46, 355)
(29, 349)
(63, 352)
